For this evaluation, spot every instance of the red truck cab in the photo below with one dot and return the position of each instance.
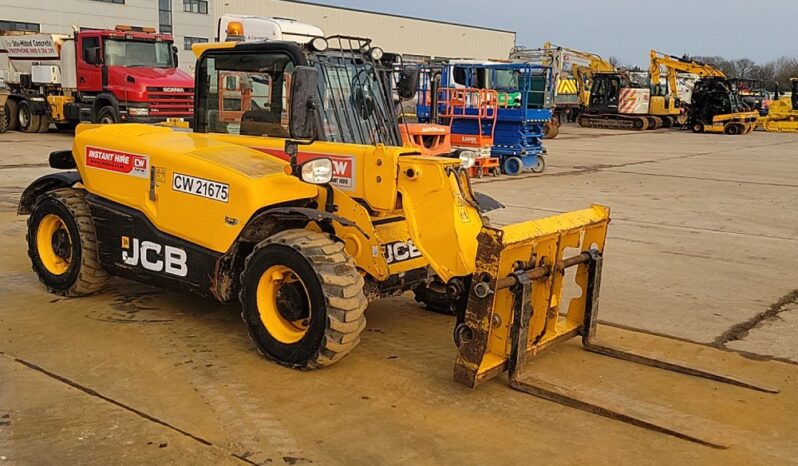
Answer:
(129, 74)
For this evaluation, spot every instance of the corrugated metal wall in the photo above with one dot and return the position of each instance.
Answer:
(391, 33)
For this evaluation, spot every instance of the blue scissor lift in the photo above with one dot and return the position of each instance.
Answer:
(525, 93)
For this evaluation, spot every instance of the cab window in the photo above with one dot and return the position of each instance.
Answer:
(245, 93)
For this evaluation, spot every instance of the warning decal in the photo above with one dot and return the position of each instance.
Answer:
(116, 161)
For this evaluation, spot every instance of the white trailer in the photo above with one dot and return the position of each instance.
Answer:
(257, 28)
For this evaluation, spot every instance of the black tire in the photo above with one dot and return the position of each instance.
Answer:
(513, 166)
(12, 114)
(697, 127)
(28, 121)
(44, 123)
(331, 308)
(83, 273)
(107, 115)
(732, 129)
(434, 300)
(640, 124)
(67, 126)
(541, 165)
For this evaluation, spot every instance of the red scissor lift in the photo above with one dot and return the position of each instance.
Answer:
(471, 115)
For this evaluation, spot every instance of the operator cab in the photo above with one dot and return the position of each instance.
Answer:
(244, 88)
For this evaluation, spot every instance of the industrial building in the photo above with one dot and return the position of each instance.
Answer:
(189, 21)
(394, 33)
(192, 21)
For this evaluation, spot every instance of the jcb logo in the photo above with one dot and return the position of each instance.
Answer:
(154, 257)
(400, 251)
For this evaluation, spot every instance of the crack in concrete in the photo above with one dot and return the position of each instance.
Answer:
(24, 165)
(743, 353)
(741, 330)
(701, 178)
(666, 225)
(124, 406)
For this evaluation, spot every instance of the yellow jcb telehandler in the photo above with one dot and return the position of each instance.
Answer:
(307, 206)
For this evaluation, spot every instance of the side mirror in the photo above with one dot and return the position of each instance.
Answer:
(175, 56)
(93, 56)
(408, 82)
(304, 107)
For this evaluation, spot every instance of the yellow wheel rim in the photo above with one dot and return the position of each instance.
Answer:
(54, 244)
(283, 304)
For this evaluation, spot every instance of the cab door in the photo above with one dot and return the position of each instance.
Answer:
(90, 62)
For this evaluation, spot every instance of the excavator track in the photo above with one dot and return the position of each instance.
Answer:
(782, 124)
(615, 121)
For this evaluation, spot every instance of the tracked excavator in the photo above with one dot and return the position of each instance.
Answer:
(617, 101)
(307, 206)
(782, 114)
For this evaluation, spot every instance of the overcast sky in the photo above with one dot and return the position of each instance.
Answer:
(761, 30)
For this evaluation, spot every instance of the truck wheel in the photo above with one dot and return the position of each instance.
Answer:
(12, 114)
(44, 124)
(697, 127)
(28, 122)
(513, 165)
(302, 299)
(107, 115)
(540, 166)
(62, 244)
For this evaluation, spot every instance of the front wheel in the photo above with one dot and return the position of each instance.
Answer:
(302, 299)
(62, 244)
(697, 127)
(107, 115)
(540, 166)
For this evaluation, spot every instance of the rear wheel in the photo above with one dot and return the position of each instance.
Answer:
(540, 166)
(435, 298)
(513, 165)
(697, 127)
(302, 299)
(12, 114)
(640, 124)
(732, 129)
(107, 115)
(44, 124)
(27, 121)
(62, 244)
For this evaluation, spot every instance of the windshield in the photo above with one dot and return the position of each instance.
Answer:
(356, 98)
(247, 93)
(150, 54)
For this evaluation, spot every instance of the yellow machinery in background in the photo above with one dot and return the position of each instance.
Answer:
(308, 206)
(572, 71)
(783, 113)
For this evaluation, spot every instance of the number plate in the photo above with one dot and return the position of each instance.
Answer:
(200, 187)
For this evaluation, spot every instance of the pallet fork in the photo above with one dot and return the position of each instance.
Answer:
(513, 313)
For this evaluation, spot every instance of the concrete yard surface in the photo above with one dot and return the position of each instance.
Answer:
(700, 267)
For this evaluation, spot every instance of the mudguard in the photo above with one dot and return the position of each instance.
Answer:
(42, 185)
